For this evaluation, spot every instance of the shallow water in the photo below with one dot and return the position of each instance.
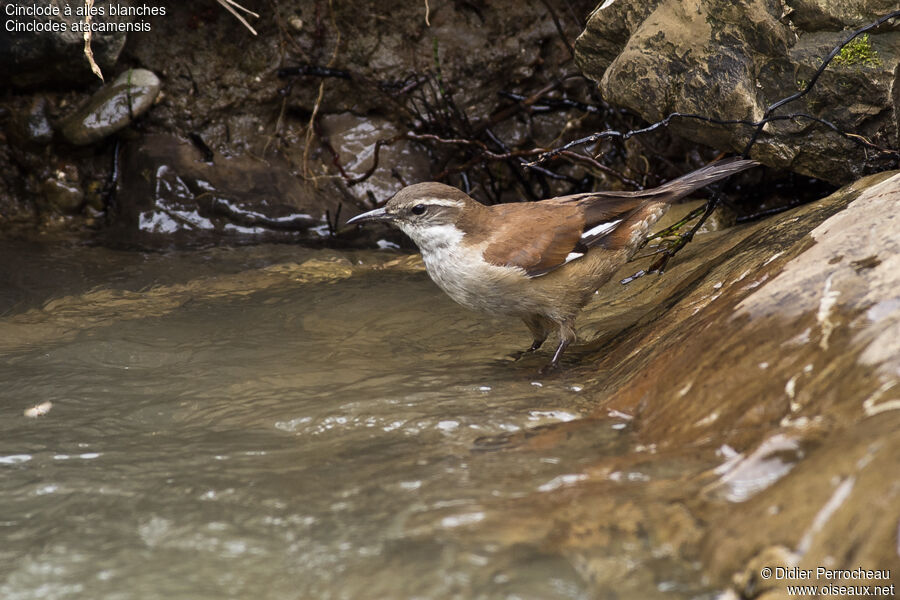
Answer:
(274, 422)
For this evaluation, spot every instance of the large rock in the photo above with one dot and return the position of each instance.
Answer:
(730, 60)
(112, 107)
(761, 379)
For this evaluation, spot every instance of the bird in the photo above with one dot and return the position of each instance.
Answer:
(540, 261)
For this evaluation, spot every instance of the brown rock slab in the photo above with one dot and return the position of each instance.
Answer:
(759, 379)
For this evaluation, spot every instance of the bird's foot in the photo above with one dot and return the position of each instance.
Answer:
(672, 240)
(533, 348)
(547, 369)
(637, 275)
(554, 362)
(658, 266)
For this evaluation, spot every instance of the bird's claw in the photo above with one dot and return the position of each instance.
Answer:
(549, 368)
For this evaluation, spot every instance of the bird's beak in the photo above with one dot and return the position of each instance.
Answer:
(378, 214)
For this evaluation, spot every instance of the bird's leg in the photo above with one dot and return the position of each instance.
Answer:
(539, 327)
(566, 337)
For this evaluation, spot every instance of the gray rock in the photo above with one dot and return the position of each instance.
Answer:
(63, 196)
(813, 15)
(32, 127)
(28, 59)
(731, 60)
(354, 137)
(113, 107)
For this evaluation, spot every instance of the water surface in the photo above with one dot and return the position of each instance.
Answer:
(273, 422)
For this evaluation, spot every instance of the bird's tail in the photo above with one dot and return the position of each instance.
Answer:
(651, 204)
(676, 189)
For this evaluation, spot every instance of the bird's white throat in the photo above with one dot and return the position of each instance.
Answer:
(434, 238)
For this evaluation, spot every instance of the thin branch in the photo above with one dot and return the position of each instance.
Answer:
(485, 152)
(310, 128)
(583, 158)
(88, 52)
(371, 170)
(230, 6)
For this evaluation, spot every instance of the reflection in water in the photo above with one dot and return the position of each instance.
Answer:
(275, 423)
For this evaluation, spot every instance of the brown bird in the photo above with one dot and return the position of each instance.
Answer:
(540, 261)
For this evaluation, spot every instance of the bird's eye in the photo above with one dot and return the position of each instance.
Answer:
(418, 209)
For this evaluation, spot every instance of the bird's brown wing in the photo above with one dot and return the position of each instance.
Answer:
(536, 237)
(542, 236)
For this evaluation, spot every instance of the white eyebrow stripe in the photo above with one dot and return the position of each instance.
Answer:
(600, 229)
(442, 202)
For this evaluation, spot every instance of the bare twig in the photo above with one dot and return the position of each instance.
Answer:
(610, 133)
(230, 6)
(88, 52)
(583, 158)
(310, 128)
(485, 153)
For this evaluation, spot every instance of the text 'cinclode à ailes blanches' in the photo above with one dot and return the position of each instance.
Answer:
(31, 18)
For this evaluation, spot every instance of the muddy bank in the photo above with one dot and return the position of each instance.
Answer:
(350, 103)
(307, 98)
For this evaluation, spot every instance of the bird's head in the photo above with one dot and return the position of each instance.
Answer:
(431, 214)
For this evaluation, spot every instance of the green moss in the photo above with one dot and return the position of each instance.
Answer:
(858, 52)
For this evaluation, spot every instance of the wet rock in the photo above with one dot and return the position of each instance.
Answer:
(759, 376)
(169, 194)
(731, 60)
(62, 192)
(354, 139)
(54, 54)
(32, 127)
(750, 584)
(63, 196)
(113, 107)
(784, 349)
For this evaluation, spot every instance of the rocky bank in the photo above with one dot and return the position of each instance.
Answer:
(761, 376)
(732, 60)
(195, 93)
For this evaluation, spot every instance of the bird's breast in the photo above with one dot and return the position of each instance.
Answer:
(461, 271)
